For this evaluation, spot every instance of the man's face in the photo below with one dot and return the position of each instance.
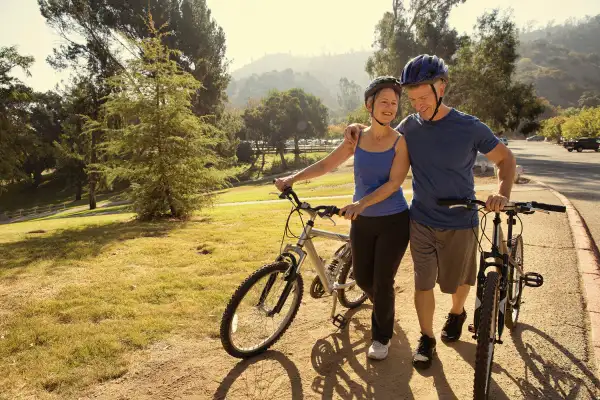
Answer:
(423, 99)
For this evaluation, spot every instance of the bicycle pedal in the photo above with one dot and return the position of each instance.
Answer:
(340, 321)
(533, 279)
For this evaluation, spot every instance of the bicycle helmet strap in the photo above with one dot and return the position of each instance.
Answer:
(437, 101)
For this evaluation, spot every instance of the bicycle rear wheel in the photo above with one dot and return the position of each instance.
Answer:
(248, 325)
(486, 336)
(515, 284)
(354, 296)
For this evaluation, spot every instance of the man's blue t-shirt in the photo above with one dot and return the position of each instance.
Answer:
(442, 154)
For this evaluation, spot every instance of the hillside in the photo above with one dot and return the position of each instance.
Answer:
(562, 61)
(318, 75)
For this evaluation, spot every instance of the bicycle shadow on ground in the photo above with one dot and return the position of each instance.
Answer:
(545, 377)
(467, 351)
(270, 375)
(367, 379)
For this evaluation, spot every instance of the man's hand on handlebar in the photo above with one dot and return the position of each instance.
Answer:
(496, 203)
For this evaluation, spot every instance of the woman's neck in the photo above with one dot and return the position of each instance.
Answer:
(378, 131)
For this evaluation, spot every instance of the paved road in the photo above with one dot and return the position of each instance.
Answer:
(576, 175)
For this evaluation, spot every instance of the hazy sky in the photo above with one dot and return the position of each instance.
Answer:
(254, 28)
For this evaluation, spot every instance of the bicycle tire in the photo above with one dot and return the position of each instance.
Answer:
(486, 336)
(513, 303)
(344, 301)
(238, 296)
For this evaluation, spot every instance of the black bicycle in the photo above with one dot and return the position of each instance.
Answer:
(499, 291)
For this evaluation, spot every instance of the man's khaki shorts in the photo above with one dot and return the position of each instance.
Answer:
(445, 256)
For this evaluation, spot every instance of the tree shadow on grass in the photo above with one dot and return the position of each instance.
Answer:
(79, 243)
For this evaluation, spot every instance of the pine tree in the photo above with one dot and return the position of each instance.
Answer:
(153, 139)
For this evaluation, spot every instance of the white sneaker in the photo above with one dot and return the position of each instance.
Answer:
(378, 351)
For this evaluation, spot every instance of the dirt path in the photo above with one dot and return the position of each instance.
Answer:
(548, 355)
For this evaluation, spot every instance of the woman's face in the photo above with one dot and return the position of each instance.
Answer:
(386, 105)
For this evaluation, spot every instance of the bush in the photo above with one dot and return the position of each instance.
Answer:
(244, 152)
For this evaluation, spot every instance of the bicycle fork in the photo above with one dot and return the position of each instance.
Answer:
(502, 267)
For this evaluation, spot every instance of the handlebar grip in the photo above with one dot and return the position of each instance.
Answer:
(548, 207)
(452, 202)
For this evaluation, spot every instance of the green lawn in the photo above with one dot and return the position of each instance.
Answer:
(68, 322)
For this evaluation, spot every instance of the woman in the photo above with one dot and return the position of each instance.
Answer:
(380, 223)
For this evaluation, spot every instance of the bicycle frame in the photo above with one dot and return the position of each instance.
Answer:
(502, 267)
(297, 255)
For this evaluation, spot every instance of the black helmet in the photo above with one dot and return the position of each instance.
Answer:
(379, 83)
(383, 82)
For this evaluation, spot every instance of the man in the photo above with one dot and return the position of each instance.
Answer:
(442, 145)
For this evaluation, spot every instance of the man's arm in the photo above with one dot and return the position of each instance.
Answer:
(507, 166)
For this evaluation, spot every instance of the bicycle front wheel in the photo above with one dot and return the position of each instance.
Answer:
(250, 324)
(515, 284)
(486, 336)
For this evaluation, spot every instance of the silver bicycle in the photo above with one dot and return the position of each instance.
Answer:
(265, 304)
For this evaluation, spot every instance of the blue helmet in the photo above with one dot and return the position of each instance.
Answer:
(424, 69)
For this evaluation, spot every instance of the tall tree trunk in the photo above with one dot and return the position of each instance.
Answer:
(296, 151)
(93, 175)
(37, 177)
(281, 151)
(79, 190)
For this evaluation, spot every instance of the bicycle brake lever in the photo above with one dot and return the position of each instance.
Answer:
(331, 219)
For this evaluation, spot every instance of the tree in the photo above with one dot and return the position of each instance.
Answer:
(589, 99)
(74, 147)
(153, 139)
(14, 99)
(403, 34)
(585, 124)
(349, 97)
(306, 118)
(196, 35)
(46, 115)
(482, 77)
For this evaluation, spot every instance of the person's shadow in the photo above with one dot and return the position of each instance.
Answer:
(389, 378)
(270, 375)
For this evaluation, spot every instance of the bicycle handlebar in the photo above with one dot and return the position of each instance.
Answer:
(510, 206)
(322, 211)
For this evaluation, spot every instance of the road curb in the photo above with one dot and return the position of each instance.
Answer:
(588, 261)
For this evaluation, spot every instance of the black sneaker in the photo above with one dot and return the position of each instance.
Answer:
(453, 326)
(424, 354)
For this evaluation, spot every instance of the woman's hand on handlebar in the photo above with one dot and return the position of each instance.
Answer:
(284, 182)
(352, 210)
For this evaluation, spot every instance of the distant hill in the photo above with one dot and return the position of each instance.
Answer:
(318, 75)
(562, 61)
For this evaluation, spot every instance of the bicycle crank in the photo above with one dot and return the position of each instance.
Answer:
(533, 279)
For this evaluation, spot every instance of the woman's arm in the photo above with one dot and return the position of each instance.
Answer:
(398, 172)
(343, 152)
